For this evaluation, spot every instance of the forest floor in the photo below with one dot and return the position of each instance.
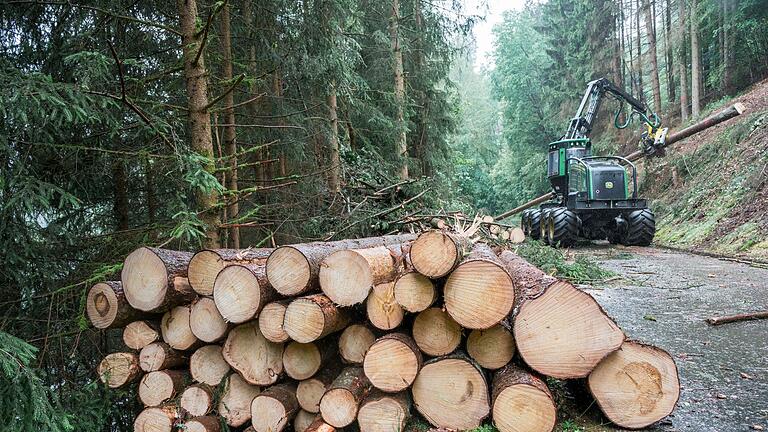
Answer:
(663, 297)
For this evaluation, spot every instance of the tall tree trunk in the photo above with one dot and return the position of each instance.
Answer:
(682, 70)
(120, 207)
(727, 46)
(695, 62)
(230, 134)
(639, 64)
(255, 107)
(651, 34)
(397, 58)
(616, 58)
(334, 175)
(195, 75)
(422, 137)
(668, 54)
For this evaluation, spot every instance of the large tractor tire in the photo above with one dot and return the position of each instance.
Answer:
(534, 224)
(544, 226)
(641, 227)
(524, 223)
(563, 228)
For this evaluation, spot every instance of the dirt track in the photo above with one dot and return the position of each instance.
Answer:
(664, 298)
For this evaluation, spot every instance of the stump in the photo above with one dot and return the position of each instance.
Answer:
(479, 293)
(271, 320)
(382, 309)
(436, 253)
(207, 263)
(392, 363)
(206, 322)
(160, 386)
(119, 369)
(354, 343)
(340, 403)
(414, 292)
(521, 402)
(258, 360)
(347, 276)
(197, 400)
(310, 318)
(155, 280)
(636, 386)
(451, 392)
(302, 420)
(139, 334)
(156, 420)
(241, 291)
(176, 330)
(235, 403)
(107, 307)
(159, 355)
(436, 333)
(382, 412)
(203, 424)
(311, 390)
(207, 365)
(492, 348)
(275, 406)
(301, 361)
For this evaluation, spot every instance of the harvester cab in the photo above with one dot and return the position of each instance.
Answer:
(596, 196)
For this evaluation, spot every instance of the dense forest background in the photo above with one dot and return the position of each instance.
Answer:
(241, 123)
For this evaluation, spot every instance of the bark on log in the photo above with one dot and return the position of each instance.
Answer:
(107, 307)
(206, 264)
(354, 343)
(197, 400)
(119, 369)
(319, 425)
(160, 386)
(139, 334)
(480, 292)
(392, 363)
(521, 402)
(207, 365)
(156, 419)
(258, 360)
(341, 401)
(382, 309)
(436, 253)
(241, 291)
(347, 276)
(276, 406)
(310, 391)
(176, 330)
(302, 361)
(414, 292)
(155, 280)
(206, 322)
(381, 412)
(310, 318)
(451, 392)
(159, 355)
(294, 270)
(302, 420)
(636, 386)
(271, 320)
(492, 348)
(203, 424)
(436, 333)
(560, 330)
(235, 403)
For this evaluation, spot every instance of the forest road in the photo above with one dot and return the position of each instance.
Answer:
(664, 297)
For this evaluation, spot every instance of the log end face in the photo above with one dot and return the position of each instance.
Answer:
(739, 107)
(152, 357)
(271, 417)
(304, 321)
(237, 293)
(288, 271)
(206, 321)
(414, 292)
(491, 349)
(435, 332)
(145, 279)
(235, 403)
(176, 330)
(196, 401)
(139, 334)
(309, 392)
(524, 408)
(382, 415)
(207, 365)
(301, 361)
(271, 321)
(118, 369)
(203, 268)
(154, 420)
(339, 407)
(434, 254)
(354, 343)
(101, 305)
(346, 277)
(156, 388)
(479, 294)
(391, 365)
(382, 309)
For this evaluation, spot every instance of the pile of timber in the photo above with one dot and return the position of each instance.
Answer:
(320, 336)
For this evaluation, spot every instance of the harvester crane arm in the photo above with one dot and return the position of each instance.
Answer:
(581, 124)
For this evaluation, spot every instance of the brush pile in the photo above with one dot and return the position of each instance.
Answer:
(319, 336)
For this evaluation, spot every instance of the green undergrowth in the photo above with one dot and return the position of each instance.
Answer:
(553, 261)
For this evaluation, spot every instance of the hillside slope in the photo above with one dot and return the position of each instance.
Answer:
(710, 193)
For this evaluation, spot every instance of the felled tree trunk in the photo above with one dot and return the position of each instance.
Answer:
(258, 360)
(340, 403)
(206, 322)
(414, 292)
(235, 402)
(139, 334)
(176, 330)
(492, 348)
(521, 402)
(382, 309)
(207, 263)
(119, 369)
(393, 362)
(310, 318)
(241, 291)
(301, 361)
(197, 400)
(159, 355)
(382, 412)
(207, 365)
(436, 253)
(436, 333)
(156, 419)
(107, 307)
(160, 386)
(311, 390)
(275, 406)
(271, 320)
(155, 280)
(354, 343)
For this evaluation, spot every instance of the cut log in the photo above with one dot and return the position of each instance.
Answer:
(451, 392)
(436, 253)
(392, 363)
(271, 320)
(107, 307)
(207, 263)
(492, 348)
(347, 276)
(436, 333)
(311, 390)
(156, 419)
(521, 402)
(276, 406)
(207, 365)
(258, 360)
(203, 424)
(382, 309)
(160, 386)
(235, 403)
(479, 293)
(636, 386)
(414, 292)
(560, 331)
(294, 270)
(119, 369)
(240, 291)
(301, 361)
(354, 343)
(176, 330)
(159, 355)
(155, 280)
(341, 401)
(206, 322)
(310, 318)
(197, 400)
(302, 420)
(516, 235)
(382, 412)
(319, 425)
(139, 334)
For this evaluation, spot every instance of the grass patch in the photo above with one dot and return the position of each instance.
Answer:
(553, 262)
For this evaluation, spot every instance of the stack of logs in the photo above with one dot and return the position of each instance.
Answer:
(318, 336)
